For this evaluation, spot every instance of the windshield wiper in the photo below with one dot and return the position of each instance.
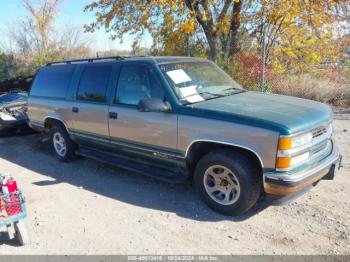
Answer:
(240, 90)
(234, 91)
(201, 93)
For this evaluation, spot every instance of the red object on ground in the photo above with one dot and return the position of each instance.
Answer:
(14, 205)
(13, 202)
(11, 185)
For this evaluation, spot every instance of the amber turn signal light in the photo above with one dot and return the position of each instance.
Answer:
(285, 143)
(283, 162)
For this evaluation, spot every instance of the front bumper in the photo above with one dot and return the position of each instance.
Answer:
(279, 184)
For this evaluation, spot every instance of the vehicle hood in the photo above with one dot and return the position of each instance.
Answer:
(284, 114)
(13, 99)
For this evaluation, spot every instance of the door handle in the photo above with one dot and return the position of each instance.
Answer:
(75, 109)
(113, 115)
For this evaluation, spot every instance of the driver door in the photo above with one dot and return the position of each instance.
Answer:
(147, 137)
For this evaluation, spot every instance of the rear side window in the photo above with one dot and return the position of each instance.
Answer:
(52, 81)
(94, 83)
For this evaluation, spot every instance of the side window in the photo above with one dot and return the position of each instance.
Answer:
(157, 90)
(94, 83)
(52, 81)
(135, 83)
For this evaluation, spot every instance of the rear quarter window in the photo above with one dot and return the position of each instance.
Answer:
(52, 81)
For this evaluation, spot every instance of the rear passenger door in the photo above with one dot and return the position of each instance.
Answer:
(149, 137)
(90, 110)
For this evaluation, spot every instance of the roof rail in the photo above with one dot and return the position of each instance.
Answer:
(86, 60)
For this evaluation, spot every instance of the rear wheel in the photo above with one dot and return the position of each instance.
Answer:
(63, 147)
(228, 182)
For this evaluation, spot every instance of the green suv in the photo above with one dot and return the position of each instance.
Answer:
(182, 118)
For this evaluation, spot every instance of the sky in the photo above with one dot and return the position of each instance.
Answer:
(70, 12)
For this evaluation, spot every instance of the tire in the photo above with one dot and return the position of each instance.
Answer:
(228, 182)
(21, 233)
(62, 146)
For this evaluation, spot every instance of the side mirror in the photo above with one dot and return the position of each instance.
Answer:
(153, 105)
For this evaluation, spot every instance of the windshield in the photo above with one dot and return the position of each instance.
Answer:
(194, 82)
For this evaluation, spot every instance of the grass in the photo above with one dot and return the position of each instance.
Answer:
(332, 91)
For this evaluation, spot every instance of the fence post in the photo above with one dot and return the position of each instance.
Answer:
(263, 60)
(188, 52)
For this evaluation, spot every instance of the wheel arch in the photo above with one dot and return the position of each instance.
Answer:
(49, 121)
(198, 148)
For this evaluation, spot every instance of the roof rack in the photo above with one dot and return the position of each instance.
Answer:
(86, 60)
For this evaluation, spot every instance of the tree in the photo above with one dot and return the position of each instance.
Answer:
(136, 49)
(8, 66)
(172, 40)
(35, 40)
(301, 33)
(40, 27)
(71, 42)
(221, 21)
(3, 67)
(218, 20)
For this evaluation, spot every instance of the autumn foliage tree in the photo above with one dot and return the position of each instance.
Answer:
(219, 20)
(38, 28)
(302, 33)
(288, 23)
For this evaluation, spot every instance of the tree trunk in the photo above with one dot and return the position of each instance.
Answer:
(232, 42)
(213, 48)
(207, 23)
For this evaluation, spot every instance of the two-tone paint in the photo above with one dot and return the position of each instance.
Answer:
(249, 121)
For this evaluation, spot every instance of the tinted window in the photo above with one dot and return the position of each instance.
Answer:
(52, 81)
(94, 83)
(135, 83)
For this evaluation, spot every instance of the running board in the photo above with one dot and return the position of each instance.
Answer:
(158, 173)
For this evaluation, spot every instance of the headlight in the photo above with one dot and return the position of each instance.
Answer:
(286, 143)
(288, 162)
(288, 147)
(6, 117)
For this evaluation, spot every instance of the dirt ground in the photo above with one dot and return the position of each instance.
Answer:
(86, 207)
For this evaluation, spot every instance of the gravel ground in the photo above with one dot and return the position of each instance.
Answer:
(86, 207)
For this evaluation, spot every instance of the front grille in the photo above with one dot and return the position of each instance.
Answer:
(319, 131)
(322, 145)
(318, 148)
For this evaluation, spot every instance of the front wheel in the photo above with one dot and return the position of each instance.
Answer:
(228, 182)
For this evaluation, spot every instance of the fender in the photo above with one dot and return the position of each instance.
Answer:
(224, 143)
(58, 119)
